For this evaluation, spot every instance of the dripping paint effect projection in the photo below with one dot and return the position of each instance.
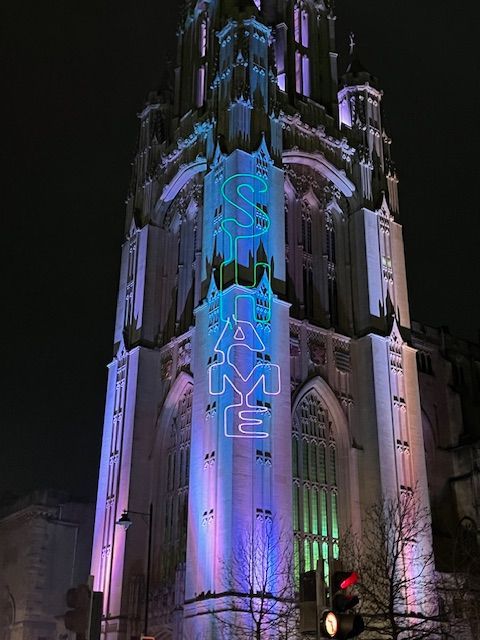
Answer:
(241, 367)
(240, 231)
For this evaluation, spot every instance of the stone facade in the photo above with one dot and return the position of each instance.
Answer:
(449, 378)
(45, 548)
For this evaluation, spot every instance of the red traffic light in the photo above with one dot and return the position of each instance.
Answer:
(350, 580)
(349, 623)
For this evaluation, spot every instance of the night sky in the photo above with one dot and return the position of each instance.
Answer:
(75, 76)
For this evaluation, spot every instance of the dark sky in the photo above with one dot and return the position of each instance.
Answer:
(76, 74)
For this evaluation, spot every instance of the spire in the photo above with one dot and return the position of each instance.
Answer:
(352, 43)
(354, 65)
(356, 73)
(243, 5)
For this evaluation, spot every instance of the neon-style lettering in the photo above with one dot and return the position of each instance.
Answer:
(237, 231)
(241, 366)
(227, 374)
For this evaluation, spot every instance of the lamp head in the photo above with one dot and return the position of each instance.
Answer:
(124, 521)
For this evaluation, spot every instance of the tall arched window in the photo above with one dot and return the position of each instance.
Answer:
(202, 69)
(203, 37)
(300, 24)
(332, 270)
(308, 289)
(315, 495)
(175, 497)
(302, 60)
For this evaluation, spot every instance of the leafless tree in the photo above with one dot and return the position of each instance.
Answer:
(460, 587)
(394, 559)
(261, 583)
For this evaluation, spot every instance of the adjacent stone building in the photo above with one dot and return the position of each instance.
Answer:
(45, 548)
(449, 381)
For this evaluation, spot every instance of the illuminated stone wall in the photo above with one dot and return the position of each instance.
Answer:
(45, 547)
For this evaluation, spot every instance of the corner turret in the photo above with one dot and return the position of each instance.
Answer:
(360, 116)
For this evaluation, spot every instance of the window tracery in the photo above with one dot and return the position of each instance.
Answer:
(177, 480)
(202, 52)
(302, 37)
(332, 270)
(315, 499)
(202, 43)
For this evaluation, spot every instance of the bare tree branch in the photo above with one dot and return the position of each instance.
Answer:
(260, 576)
(394, 558)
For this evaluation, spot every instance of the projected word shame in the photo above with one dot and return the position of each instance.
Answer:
(250, 223)
(241, 370)
(232, 375)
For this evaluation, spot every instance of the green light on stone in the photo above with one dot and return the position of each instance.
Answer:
(323, 511)
(334, 516)
(314, 495)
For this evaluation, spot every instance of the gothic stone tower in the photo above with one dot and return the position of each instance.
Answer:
(262, 378)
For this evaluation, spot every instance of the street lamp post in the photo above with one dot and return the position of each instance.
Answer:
(126, 523)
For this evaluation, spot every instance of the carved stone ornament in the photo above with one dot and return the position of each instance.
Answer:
(304, 180)
(166, 371)
(318, 352)
(191, 193)
(294, 349)
(184, 355)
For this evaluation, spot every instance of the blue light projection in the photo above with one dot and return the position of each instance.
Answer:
(237, 231)
(241, 370)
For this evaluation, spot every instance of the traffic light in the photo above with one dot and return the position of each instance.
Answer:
(77, 617)
(95, 624)
(348, 624)
(85, 613)
(312, 600)
(308, 586)
(341, 580)
(308, 602)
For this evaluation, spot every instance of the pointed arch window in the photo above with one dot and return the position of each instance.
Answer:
(296, 22)
(308, 289)
(304, 28)
(330, 234)
(333, 300)
(300, 24)
(202, 69)
(332, 270)
(305, 75)
(201, 74)
(280, 52)
(175, 496)
(306, 229)
(315, 491)
(302, 73)
(302, 38)
(203, 36)
(298, 71)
